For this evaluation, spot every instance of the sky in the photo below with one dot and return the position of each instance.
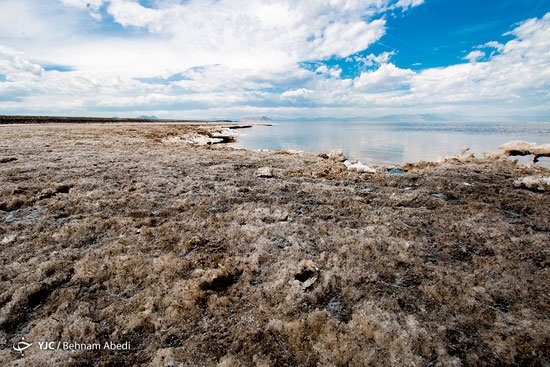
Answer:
(286, 59)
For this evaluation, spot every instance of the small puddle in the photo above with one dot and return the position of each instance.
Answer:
(394, 170)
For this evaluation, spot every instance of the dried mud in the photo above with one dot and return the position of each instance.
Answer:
(118, 233)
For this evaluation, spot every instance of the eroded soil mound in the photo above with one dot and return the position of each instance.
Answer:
(121, 234)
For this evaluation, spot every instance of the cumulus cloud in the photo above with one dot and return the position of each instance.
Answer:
(520, 74)
(29, 82)
(131, 13)
(15, 66)
(175, 35)
(261, 31)
(493, 44)
(473, 56)
(409, 3)
(333, 72)
(386, 77)
(372, 59)
(220, 58)
(344, 39)
(298, 93)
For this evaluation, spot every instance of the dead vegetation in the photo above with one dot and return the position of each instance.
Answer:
(110, 233)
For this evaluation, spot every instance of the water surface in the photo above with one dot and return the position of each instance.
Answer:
(387, 143)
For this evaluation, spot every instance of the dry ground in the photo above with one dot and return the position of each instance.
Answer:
(119, 233)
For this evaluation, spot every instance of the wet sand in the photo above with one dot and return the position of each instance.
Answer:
(190, 255)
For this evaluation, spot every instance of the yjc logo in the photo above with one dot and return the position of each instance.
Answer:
(21, 346)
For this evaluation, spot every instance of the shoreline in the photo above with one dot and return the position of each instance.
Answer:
(211, 255)
(224, 136)
(372, 146)
(21, 119)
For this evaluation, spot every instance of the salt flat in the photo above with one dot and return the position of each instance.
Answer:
(200, 256)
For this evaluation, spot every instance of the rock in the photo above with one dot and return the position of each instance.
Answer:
(293, 151)
(280, 215)
(512, 214)
(226, 136)
(165, 357)
(443, 196)
(266, 172)
(8, 239)
(204, 140)
(518, 147)
(458, 158)
(50, 192)
(494, 156)
(308, 273)
(187, 245)
(337, 155)
(197, 241)
(542, 150)
(541, 183)
(216, 279)
(229, 361)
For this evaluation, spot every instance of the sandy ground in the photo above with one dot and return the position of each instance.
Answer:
(183, 256)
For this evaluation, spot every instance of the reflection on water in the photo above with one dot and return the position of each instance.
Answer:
(387, 143)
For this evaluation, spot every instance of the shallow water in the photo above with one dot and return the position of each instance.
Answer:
(387, 143)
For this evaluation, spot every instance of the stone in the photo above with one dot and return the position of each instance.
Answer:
(540, 183)
(337, 155)
(266, 172)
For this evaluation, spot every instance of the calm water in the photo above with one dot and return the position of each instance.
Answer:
(386, 143)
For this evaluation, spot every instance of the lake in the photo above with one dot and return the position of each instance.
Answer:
(388, 143)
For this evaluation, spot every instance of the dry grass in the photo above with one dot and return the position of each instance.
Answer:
(109, 233)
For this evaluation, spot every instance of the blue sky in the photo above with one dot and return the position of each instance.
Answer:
(438, 33)
(464, 60)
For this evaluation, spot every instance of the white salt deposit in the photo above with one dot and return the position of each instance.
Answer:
(540, 182)
(359, 167)
(518, 147)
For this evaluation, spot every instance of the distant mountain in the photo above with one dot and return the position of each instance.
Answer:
(147, 117)
(256, 119)
(386, 118)
(425, 117)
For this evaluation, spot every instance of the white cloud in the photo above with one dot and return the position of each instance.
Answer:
(409, 3)
(298, 93)
(333, 72)
(131, 13)
(260, 32)
(344, 39)
(372, 59)
(92, 6)
(233, 59)
(24, 21)
(493, 44)
(177, 35)
(14, 65)
(519, 75)
(386, 77)
(473, 56)
(29, 80)
(83, 4)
